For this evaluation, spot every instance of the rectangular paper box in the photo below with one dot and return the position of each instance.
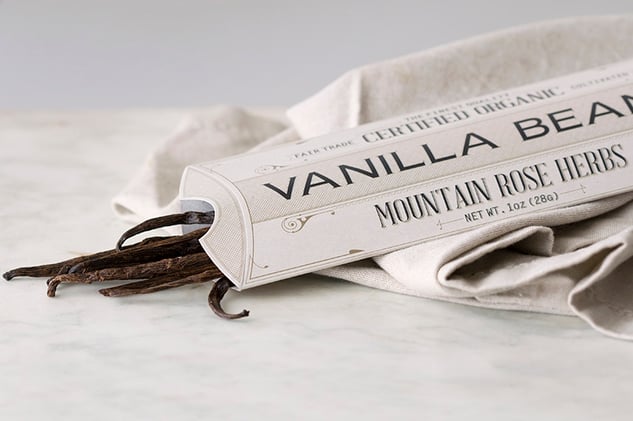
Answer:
(387, 185)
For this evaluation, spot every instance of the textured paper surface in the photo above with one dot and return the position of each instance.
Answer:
(388, 185)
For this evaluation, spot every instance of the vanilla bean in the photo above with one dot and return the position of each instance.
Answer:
(216, 294)
(161, 283)
(168, 247)
(166, 262)
(178, 265)
(63, 266)
(186, 218)
(50, 269)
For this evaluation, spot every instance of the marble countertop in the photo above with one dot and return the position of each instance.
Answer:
(313, 348)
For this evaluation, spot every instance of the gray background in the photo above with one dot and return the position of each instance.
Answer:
(75, 54)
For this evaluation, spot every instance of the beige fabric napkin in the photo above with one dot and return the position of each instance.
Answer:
(576, 261)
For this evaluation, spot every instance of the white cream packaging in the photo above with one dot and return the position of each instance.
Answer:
(383, 186)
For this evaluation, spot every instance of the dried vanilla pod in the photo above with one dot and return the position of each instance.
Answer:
(63, 266)
(182, 264)
(186, 218)
(160, 283)
(155, 263)
(216, 294)
(175, 246)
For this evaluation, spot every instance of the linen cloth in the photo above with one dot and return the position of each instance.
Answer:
(574, 261)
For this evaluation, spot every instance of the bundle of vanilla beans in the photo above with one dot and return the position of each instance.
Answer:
(155, 264)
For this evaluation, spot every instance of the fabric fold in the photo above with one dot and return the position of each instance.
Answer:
(203, 136)
(572, 261)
